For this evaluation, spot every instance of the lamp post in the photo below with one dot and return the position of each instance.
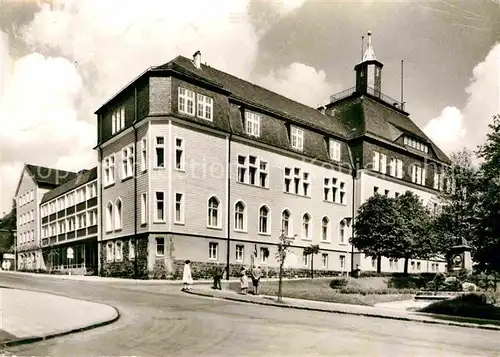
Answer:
(347, 221)
(14, 234)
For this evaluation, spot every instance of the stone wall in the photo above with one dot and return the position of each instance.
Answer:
(126, 268)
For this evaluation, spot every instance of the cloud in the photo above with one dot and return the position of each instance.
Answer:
(299, 82)
(455, 128)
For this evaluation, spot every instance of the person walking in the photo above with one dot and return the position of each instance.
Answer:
(256, 274)
(187, 278)
(218, 274)
(243, 281)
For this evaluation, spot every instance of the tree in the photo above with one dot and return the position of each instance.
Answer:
(376, 227)
(413, 221)
(486, 243)
(312, 250)
(458, 217)
(283, 250)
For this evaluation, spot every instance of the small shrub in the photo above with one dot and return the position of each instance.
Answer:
(338, 283)
(387, 291)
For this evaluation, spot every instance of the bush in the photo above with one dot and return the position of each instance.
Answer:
(387, 291)
(466, 305)
(338, 283)
(411, 281)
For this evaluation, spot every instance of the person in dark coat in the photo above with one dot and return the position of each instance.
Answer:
(218, 274)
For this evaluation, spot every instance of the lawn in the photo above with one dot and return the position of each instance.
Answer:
(319, 290)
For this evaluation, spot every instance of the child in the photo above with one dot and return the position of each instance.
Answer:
(243, 281)
(187, 279)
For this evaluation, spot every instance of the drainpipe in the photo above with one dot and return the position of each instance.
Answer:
(354, 174)
(99, 265)
(228, 205)
(135, 183)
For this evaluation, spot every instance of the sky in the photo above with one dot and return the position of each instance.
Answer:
(61, 60)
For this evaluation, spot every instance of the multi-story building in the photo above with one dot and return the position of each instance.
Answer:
(197, 164)
(69, 220)
(34, 182)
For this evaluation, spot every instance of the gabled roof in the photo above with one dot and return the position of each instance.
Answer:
(252, 94)
(82, 178)
(366, 115)
(45, 176)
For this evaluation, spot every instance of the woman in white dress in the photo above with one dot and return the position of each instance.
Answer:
(187, 279)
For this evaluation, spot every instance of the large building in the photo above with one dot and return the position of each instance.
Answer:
(197, 164)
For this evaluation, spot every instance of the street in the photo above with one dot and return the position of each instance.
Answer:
(160, 320)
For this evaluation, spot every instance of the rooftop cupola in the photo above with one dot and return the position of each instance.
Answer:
(369, 71)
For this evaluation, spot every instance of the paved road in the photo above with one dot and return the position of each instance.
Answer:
(159, 320)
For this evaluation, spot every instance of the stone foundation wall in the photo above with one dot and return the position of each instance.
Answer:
(126, 267)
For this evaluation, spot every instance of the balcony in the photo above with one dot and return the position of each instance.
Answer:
(372, 92)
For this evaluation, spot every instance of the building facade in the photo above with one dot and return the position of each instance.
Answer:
(69, 220)
(197, 164)
(34, 183)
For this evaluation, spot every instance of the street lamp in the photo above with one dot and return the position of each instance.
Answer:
(14, 234)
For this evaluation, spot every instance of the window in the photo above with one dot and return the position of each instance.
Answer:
(342, 232)
(305, 259)
(118, 120)
(109, 170)
(109, 217)
(118, 214)
(32, 216)
(342, 193)
(305, 184)
(374, 261)
(131, 249)
(91, 191)
(392, 167)
(241, 168)
(61, 227)
(239, 253)
(288, 180)
(285, 223)
(71, 224)
(179, 154)
(324, 260)
(239, 216)
(160, 246)
(399, 168)
(92, 217)
(301, 181)
(186, 101)
(213, 250)
(306, 226)
(144, 209)
(252, 123)
(325, 236)
(418, 175)
(127, 162)
(330, 189)
(82, 220)
(342, 261)
(110, 250)
(334, 150)
(264, 255)
(252, 170)
(160, 206)
(386, 193)
(205, 107)
(297, 138)
(418, 265)
(437, 180)
(70, 199)
(263, 167)
(416, 144)
(391, 263)
(179, 208)
(144, 155)
(379, 162)
(213, 212)
(264, 220)
(375, 190)
(118, 250)
(160, 152)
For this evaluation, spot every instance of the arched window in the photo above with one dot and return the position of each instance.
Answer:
(285, 223)
(239, 216)
(325, 223)
(118, 214)
(306, 226)
(264, 220)
(342, 232)
(109, 217)
(213, 212)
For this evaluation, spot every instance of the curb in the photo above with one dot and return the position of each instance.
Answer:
(33, 339)
(436, 322)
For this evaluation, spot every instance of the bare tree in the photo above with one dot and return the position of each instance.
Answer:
(283, 250)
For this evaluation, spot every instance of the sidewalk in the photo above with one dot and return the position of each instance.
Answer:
(369, 311)
(28, 316)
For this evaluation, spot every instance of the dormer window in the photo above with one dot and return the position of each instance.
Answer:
(118, 120)
(297, 138)
(252, 124)
(205, 107)
(334, 147)
(186, 101)
(416, 144)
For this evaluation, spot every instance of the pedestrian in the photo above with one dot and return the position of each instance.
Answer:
(243, 281)
(256, 274)
(218, 273)
(187, 278)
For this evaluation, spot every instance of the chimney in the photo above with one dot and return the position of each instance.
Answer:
(197, 59)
